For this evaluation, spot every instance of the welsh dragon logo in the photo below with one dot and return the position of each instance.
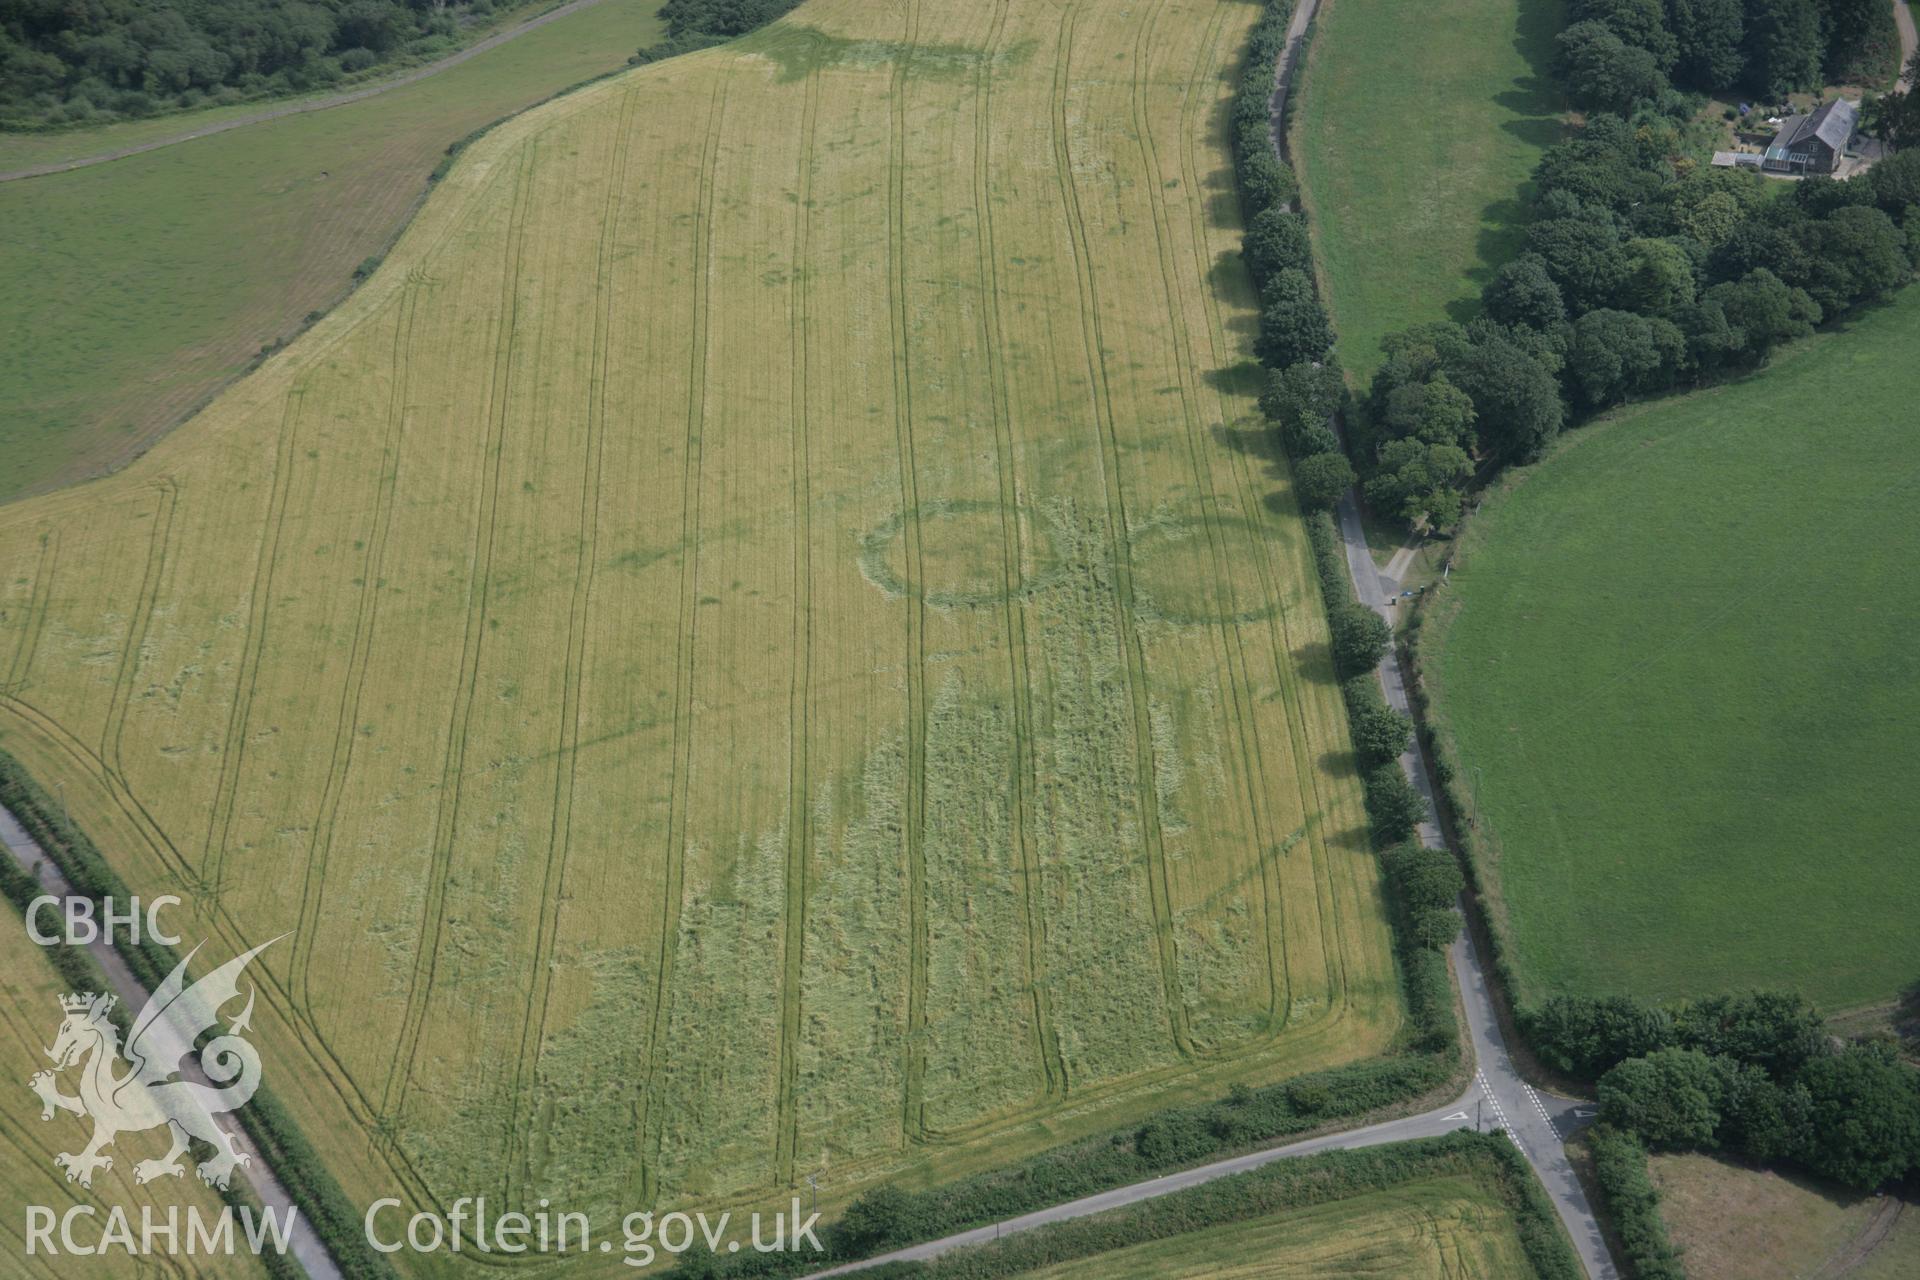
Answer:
(146, 1094)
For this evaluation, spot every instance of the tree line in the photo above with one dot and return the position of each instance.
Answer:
(1619, 52)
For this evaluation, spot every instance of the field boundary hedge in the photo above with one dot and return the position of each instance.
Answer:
(1269, 193)
(1481, 860)
(1632, 1204)
(660, 50)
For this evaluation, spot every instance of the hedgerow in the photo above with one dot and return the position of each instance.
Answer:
(1632, 1204)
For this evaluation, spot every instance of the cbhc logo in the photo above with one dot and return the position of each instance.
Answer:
(82, 928)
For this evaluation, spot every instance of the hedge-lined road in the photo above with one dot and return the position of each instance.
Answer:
(1536, 1121)
(1539, 1122)
(305, 1247)
(300, 106)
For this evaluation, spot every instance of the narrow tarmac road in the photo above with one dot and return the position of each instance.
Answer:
(1539, 1122)
(1903, 19)
(305, 1246)
(301, 106)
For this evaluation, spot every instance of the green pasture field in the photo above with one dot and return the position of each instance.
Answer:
(1416, 129)
(1677, 664)
(766, 639)
(1450, 1227)
(137, 288)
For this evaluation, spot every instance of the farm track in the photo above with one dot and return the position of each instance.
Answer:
(138, 621)
(648, 1120)
(36, 612)
(800, 682)
(344, 1084)
(481, 561)
(1119, 550)
(1053, 1068)
(913, 1115)
(138, 625)
(1226, 634)
(353, 686)
(586, 560)
(302, 107)
(220, 820)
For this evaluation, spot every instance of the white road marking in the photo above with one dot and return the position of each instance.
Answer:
(1499, 1112)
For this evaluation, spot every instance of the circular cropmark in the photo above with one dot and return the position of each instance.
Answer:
(962, 555)
(1174, 579)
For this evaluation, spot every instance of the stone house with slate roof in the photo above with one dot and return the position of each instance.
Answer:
(1813, 143)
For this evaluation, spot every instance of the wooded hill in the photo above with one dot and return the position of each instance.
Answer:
(67, 61)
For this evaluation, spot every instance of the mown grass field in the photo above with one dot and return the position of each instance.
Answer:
(30, 1016)
(1415, 131)
(761, 641)
(1677, 661)
(138, 288)
(1435, 1228)
(1736, 1223)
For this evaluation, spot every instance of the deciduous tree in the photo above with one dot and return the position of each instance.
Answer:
(1670, 1099)
(1293, 326)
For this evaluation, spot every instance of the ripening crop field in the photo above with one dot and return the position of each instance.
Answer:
(1437, 1228)
(765, 640)
(30, 1016)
